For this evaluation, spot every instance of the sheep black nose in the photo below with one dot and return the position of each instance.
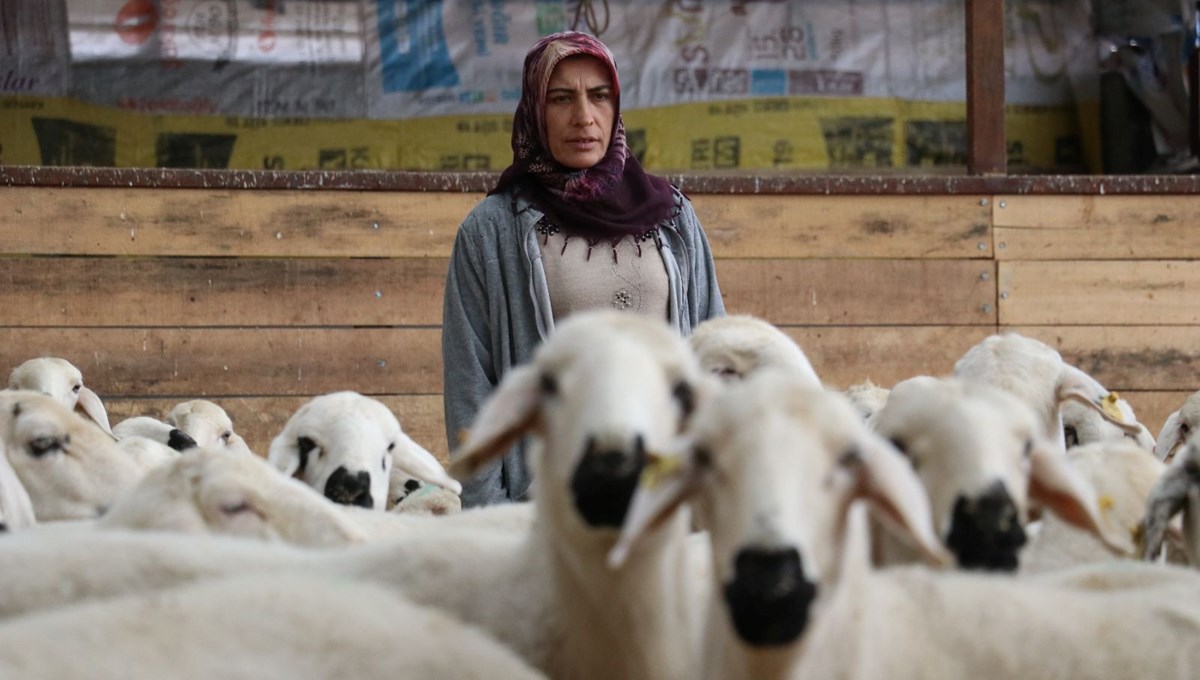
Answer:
(986, 532)
(604, 482)
(769, 597)
(350, 488)
(180, 440)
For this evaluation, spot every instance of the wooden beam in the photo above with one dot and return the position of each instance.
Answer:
(987, 152)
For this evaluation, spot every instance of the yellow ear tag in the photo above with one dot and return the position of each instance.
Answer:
(1109, 406)
(1107, 503)
(658, 468)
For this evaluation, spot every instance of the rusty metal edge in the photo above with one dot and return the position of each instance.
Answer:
(378, 180)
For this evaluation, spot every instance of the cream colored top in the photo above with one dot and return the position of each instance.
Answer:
(617, 278)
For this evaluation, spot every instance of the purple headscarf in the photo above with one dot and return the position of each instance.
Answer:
(609, 200)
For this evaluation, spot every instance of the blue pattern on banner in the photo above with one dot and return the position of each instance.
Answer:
(768, 82)
(412, 46)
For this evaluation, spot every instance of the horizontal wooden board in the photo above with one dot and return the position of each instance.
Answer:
(1155, 358)
(141, 292)
(1097, 227)
(190, 222)
(844, 356)
(217, 362)
(121, 291)
(259, 419)
(874, 292)
(846, 226)
(228, 363)
(1140, 293)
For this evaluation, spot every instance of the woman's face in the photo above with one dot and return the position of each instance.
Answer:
(580, 108)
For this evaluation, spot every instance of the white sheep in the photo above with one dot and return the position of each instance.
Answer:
(215, 490)
(1178, 428)
(208, 424)
(1122, 473)
(1037, 374)
(867, 398)
(256, 628)
(409, 495)
(70, 468)
(782, 470)
(604, 392)
(16, 508)
(344, 444)
(981, 456)
(737, 345)
(1082, 425)
(61, 380)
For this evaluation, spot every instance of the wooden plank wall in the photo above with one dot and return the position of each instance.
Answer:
(260, 300)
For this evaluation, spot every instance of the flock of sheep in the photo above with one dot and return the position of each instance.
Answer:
(703, 507)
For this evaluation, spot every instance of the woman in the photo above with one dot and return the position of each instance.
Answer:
(574, 223)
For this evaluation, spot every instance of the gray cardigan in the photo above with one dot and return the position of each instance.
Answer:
(497, 309)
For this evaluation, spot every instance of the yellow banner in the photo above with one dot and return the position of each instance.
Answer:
(784, 133)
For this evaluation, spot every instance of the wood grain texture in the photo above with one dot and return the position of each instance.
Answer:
(1144, 358)
(122, 291)
(220, 362)
(161, 292)
(183, 222)
(259, 419)
(866, 292)
(1135, 293)
(833, 227)
(1097, 227)
(192, 223)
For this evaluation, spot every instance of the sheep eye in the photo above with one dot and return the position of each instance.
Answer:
(1184, 429)
(686, 397)
(851, 457)
(40, 446)
(76, 388)
(305, 445)
(1028, 448)
(548, 385)
(899, 444)
(702, 458)
(1070, 435)
(225, 436)
(236, 508)
(391, 447)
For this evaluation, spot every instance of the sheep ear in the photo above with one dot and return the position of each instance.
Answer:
(415, 461)
(1059, 487)
(1170, 438)
(665, 483)
(509, 412)
(1075, 385)
(1169, 496)
(284, 455)
(887, 481)
(90, 403)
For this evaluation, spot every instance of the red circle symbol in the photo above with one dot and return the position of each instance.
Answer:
(266, 41)
(136, 21)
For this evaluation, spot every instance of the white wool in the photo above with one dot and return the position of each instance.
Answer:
(256, 628)
(208, 424)
(732, 347)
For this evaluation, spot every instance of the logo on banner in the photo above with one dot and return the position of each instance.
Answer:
(136, 21)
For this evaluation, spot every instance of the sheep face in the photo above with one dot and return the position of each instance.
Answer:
(71, 468)
(979, 454)
(604, 392)
(1082, 425)
(771, 468)
(1178, 428)
(214, 490)
(60, 379)
(208, 424)
(340, 444)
